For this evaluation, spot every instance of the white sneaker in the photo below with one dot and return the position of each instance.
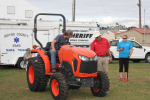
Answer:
(26, 67)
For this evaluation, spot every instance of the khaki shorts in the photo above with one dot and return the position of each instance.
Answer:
(102, 63)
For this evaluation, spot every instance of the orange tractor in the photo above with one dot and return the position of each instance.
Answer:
(76, 67)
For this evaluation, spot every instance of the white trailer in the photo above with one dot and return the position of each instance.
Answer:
(16, 36)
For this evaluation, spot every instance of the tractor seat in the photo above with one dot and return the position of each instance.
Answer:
(48, 45)
(47, 48)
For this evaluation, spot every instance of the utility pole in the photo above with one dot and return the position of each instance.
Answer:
(139, 13)
(73, 10)
(144, 25)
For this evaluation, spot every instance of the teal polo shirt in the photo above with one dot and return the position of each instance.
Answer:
(127, 46)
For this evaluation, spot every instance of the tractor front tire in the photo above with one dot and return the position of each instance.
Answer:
(36, 78)
(103, 81)
(58, 86)
(147, 58)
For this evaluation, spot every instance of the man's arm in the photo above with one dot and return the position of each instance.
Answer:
(119, 49)
(109, 52)
(28, 57)
(110, 59)
(53, 45)
(131, 51)
(92, 46)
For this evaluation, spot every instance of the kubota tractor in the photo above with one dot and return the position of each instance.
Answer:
(77, 67)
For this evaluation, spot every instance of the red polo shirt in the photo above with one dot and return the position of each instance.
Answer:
(100, 47)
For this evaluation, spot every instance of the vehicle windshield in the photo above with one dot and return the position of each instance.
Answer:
(135, 44)
(114, 42)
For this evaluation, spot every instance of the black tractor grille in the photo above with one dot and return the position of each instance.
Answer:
(75, 63)
(88, 67)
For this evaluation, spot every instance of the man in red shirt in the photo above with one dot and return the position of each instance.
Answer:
(101, 47)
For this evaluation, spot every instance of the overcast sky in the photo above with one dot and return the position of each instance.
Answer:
(106, 12)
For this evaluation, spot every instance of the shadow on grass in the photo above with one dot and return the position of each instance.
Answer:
(8, 67)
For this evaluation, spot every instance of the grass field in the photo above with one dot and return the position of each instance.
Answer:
(13, 85)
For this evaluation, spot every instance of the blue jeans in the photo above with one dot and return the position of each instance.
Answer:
(25, 61)
(53, 57)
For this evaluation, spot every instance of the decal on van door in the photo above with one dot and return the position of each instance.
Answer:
(81, 36)
(16, 40)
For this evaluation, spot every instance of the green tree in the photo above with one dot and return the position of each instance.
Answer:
(131, 27)
(146, 26)
(103, 28)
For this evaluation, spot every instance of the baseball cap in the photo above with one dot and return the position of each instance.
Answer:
(70, 33)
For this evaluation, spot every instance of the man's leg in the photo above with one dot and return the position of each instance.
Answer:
(99, 64)
(26, 65)
(105, 64)
(53, 58)
(126, 65)
(120, 67)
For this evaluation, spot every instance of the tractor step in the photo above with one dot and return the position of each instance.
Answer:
(50, 73)
(53, 72)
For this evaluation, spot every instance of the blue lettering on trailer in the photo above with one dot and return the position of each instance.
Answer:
(9, 50)
(21, 49)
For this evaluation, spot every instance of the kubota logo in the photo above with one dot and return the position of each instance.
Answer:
(16, 40)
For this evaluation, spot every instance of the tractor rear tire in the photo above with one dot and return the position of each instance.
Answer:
(74, 87)
(103, 81)
(36, 78)
(58, 86)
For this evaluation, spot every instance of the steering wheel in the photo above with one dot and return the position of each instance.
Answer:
(67, 42)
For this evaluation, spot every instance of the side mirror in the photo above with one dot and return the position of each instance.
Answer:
(140, 46)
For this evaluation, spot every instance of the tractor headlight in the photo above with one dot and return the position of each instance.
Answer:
(95, 58)
(83, 58)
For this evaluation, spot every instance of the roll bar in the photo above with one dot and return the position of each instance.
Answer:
(35, 25)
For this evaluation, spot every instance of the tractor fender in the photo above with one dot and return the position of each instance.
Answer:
(45, 58)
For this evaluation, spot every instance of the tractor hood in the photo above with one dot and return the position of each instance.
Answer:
(83, 51)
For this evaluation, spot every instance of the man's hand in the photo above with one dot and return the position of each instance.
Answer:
(53, 50)
(129, 55)
(110, 59)
(30, 55)
(121, 49)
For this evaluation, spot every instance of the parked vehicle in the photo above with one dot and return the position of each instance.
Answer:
(76, 67)
(17, 35)
(139, 52)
